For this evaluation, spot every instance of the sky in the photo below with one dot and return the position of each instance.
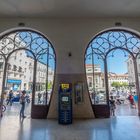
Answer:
(107, 41)
(116, 64)
(43, 43)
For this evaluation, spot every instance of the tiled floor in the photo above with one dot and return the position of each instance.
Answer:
(121, 110)
(126, 110)
(115, 128)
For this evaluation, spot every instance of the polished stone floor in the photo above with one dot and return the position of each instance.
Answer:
(126, 110)
(15, 109)
(115, 128)
(121, 127)
(121, 110)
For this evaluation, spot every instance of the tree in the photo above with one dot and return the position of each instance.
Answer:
(49, 85)
(116, 85)
(124, 84)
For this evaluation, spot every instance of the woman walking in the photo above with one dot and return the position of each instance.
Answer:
(22, 102)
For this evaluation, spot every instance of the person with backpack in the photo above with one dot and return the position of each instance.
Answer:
(10, 97)
(22, 102)
(112, 106)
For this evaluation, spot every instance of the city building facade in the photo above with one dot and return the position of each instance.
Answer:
(19, 74)
(99, 78)
(131, 72)
(118, 78)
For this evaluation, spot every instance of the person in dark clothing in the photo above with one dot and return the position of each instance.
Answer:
(112, 106)
(39, 97)
(10, 97)
(22, 102)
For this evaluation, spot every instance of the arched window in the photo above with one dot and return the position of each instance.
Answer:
(14, 67)
(99, 50)
(33, 59)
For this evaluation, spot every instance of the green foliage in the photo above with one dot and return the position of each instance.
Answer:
(118, 84)
(49, 85)
(124, 84)
(115, 84)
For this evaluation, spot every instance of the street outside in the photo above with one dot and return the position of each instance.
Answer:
(121, 110)
(126, 110)
(15, 109)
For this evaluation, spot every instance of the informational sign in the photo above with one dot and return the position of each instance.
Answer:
(14, 81)
(65, 99)
(79, 97)
(65, 86)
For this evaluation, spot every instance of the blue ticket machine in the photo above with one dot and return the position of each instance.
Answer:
(65, 104)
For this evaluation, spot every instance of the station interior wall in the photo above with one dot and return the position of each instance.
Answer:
(70, 36)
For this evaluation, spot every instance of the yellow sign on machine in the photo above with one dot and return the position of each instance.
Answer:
(65, 86)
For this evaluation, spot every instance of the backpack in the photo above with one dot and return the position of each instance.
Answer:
(21, 99)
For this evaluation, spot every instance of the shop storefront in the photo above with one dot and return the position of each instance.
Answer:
(13, 84)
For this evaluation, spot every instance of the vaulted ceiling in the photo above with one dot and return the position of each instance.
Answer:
(69, 8)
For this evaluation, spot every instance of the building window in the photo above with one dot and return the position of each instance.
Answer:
(20, 69)
(15, 75)
(9, 66)
(96, 81)
(90, 84)
(30, 64)
(1, 65)
(14, 68)
(25, 85)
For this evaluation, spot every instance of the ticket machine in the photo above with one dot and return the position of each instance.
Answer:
(65, 104)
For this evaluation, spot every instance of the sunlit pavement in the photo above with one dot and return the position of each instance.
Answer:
(15, 109)
(121, 110)
(126, 110)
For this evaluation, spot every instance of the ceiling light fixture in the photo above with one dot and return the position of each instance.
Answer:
(21, 24)
(118, 24)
